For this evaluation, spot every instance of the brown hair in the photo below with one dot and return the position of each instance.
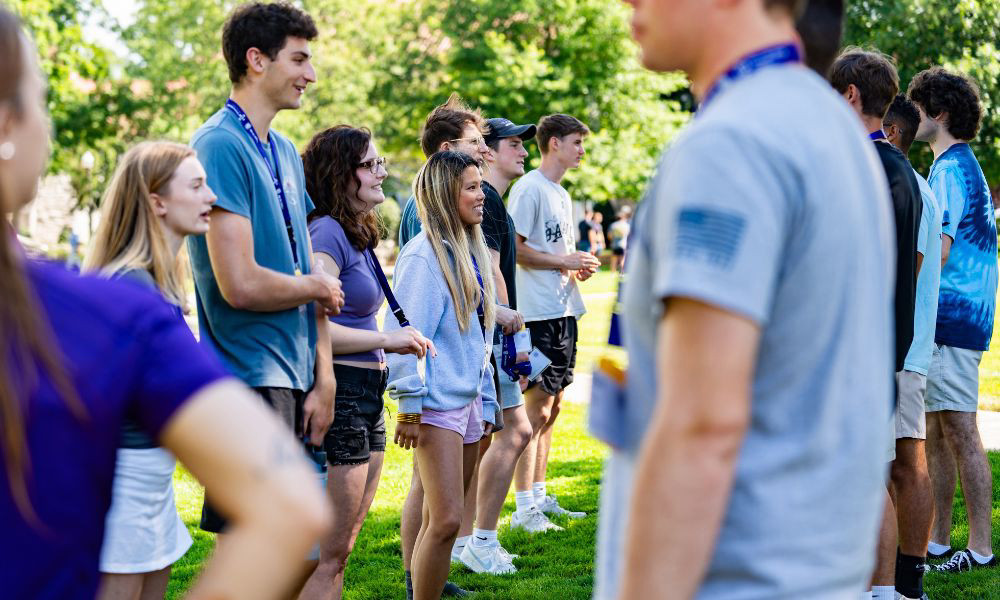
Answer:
(266, 27)
(821, 28)
(27, 345)
(794, 7)
(872, 72)
(558, 126)
(130, 236)
(939, 91)
(446, 122)
(331, 163)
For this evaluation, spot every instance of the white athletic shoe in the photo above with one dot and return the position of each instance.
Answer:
(549, 506)
(486, 559)
(456, 554)
(532, 521)
(507, 556)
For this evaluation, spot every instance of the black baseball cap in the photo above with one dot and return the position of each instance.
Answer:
(504, 128)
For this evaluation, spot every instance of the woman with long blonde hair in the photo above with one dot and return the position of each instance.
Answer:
(157, 197)
(443, 283)
(80, 354)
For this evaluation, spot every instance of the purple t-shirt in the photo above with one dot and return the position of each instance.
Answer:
(363, 296)
(128, 357)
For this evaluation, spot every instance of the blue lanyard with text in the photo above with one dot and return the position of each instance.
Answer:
(482, 296)
(275, 173)
(383, 283)
(766, 57)
(877, 135)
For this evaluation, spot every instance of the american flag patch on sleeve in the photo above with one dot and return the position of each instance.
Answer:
(709, 234)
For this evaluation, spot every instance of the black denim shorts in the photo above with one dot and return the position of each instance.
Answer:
(358, 424)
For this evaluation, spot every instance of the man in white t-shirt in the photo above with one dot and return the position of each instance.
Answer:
(548, 268)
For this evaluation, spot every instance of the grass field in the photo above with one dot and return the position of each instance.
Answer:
(556, 565)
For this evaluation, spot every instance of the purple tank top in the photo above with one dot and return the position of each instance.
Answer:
(362, 295)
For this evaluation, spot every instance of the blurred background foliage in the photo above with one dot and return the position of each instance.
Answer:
(385, 65)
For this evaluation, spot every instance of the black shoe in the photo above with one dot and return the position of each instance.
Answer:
(963, 561)
(452, 590)
(943, 556)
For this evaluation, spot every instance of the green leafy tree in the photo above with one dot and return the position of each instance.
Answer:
(962, 35)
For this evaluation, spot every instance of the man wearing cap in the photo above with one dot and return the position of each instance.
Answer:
(504, 164)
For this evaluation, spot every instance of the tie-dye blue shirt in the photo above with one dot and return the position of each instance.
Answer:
(969, 279)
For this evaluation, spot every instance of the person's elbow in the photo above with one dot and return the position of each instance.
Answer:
(238, 292)
(293, 507)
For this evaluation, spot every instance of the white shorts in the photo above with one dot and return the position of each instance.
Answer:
(953, 379)
(143, 532)
(910, 419)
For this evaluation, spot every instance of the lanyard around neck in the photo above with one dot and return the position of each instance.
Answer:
(779, 54)
(482, 297)
(275, 173)
(877, 135)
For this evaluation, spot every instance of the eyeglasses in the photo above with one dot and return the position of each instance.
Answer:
(477, 141)
(373, 164)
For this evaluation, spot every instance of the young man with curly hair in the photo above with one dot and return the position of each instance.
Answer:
(950, 114)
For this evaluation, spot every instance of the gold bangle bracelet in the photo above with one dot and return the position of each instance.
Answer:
(413, 418)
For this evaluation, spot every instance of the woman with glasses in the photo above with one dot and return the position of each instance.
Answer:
(344, 176)
(444, 282)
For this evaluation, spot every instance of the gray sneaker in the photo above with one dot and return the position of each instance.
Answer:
(532, 521)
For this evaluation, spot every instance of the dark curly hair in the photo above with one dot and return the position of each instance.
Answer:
(939, 91)
(331, 163)
(903, 115)
(265, 27)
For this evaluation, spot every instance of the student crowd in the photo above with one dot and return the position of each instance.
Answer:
(761, 444)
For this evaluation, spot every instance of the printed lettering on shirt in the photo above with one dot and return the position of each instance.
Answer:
(553, 230)
(709, 234)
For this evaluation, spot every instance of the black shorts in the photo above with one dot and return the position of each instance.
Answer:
(556, 339)
(618, 251)
(358, 427)
(288, 404)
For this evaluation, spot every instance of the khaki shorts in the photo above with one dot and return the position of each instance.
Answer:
(953, 379)
(909, 417)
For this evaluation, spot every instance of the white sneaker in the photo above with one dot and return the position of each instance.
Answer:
(486, 559)
(456, 554)
(507, 555)
(532, 521)
(549, 506)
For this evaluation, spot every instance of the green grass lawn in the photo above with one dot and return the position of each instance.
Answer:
(555, 565)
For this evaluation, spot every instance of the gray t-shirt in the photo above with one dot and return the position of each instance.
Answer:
(772, 205)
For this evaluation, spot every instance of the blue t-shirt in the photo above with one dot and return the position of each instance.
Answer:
(409, 222)
(362, 294)
(128, 357)
(918, 359)
(264, 349)
(969, 279)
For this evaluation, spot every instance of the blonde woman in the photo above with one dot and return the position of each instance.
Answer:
(445, 407)
(157, 197)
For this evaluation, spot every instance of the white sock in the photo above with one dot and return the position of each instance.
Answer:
(980, 558)
(936, 548)
(866, 595)
(539, 489)
(524, 501)
(482, 538)
(460, 542)
(883, 592)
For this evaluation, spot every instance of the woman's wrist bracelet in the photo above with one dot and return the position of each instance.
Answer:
(413, 418)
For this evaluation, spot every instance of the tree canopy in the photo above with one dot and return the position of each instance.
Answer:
(385, 65)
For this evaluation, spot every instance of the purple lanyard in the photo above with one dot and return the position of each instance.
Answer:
(275, 173)
(482, 296)
(767, 57)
